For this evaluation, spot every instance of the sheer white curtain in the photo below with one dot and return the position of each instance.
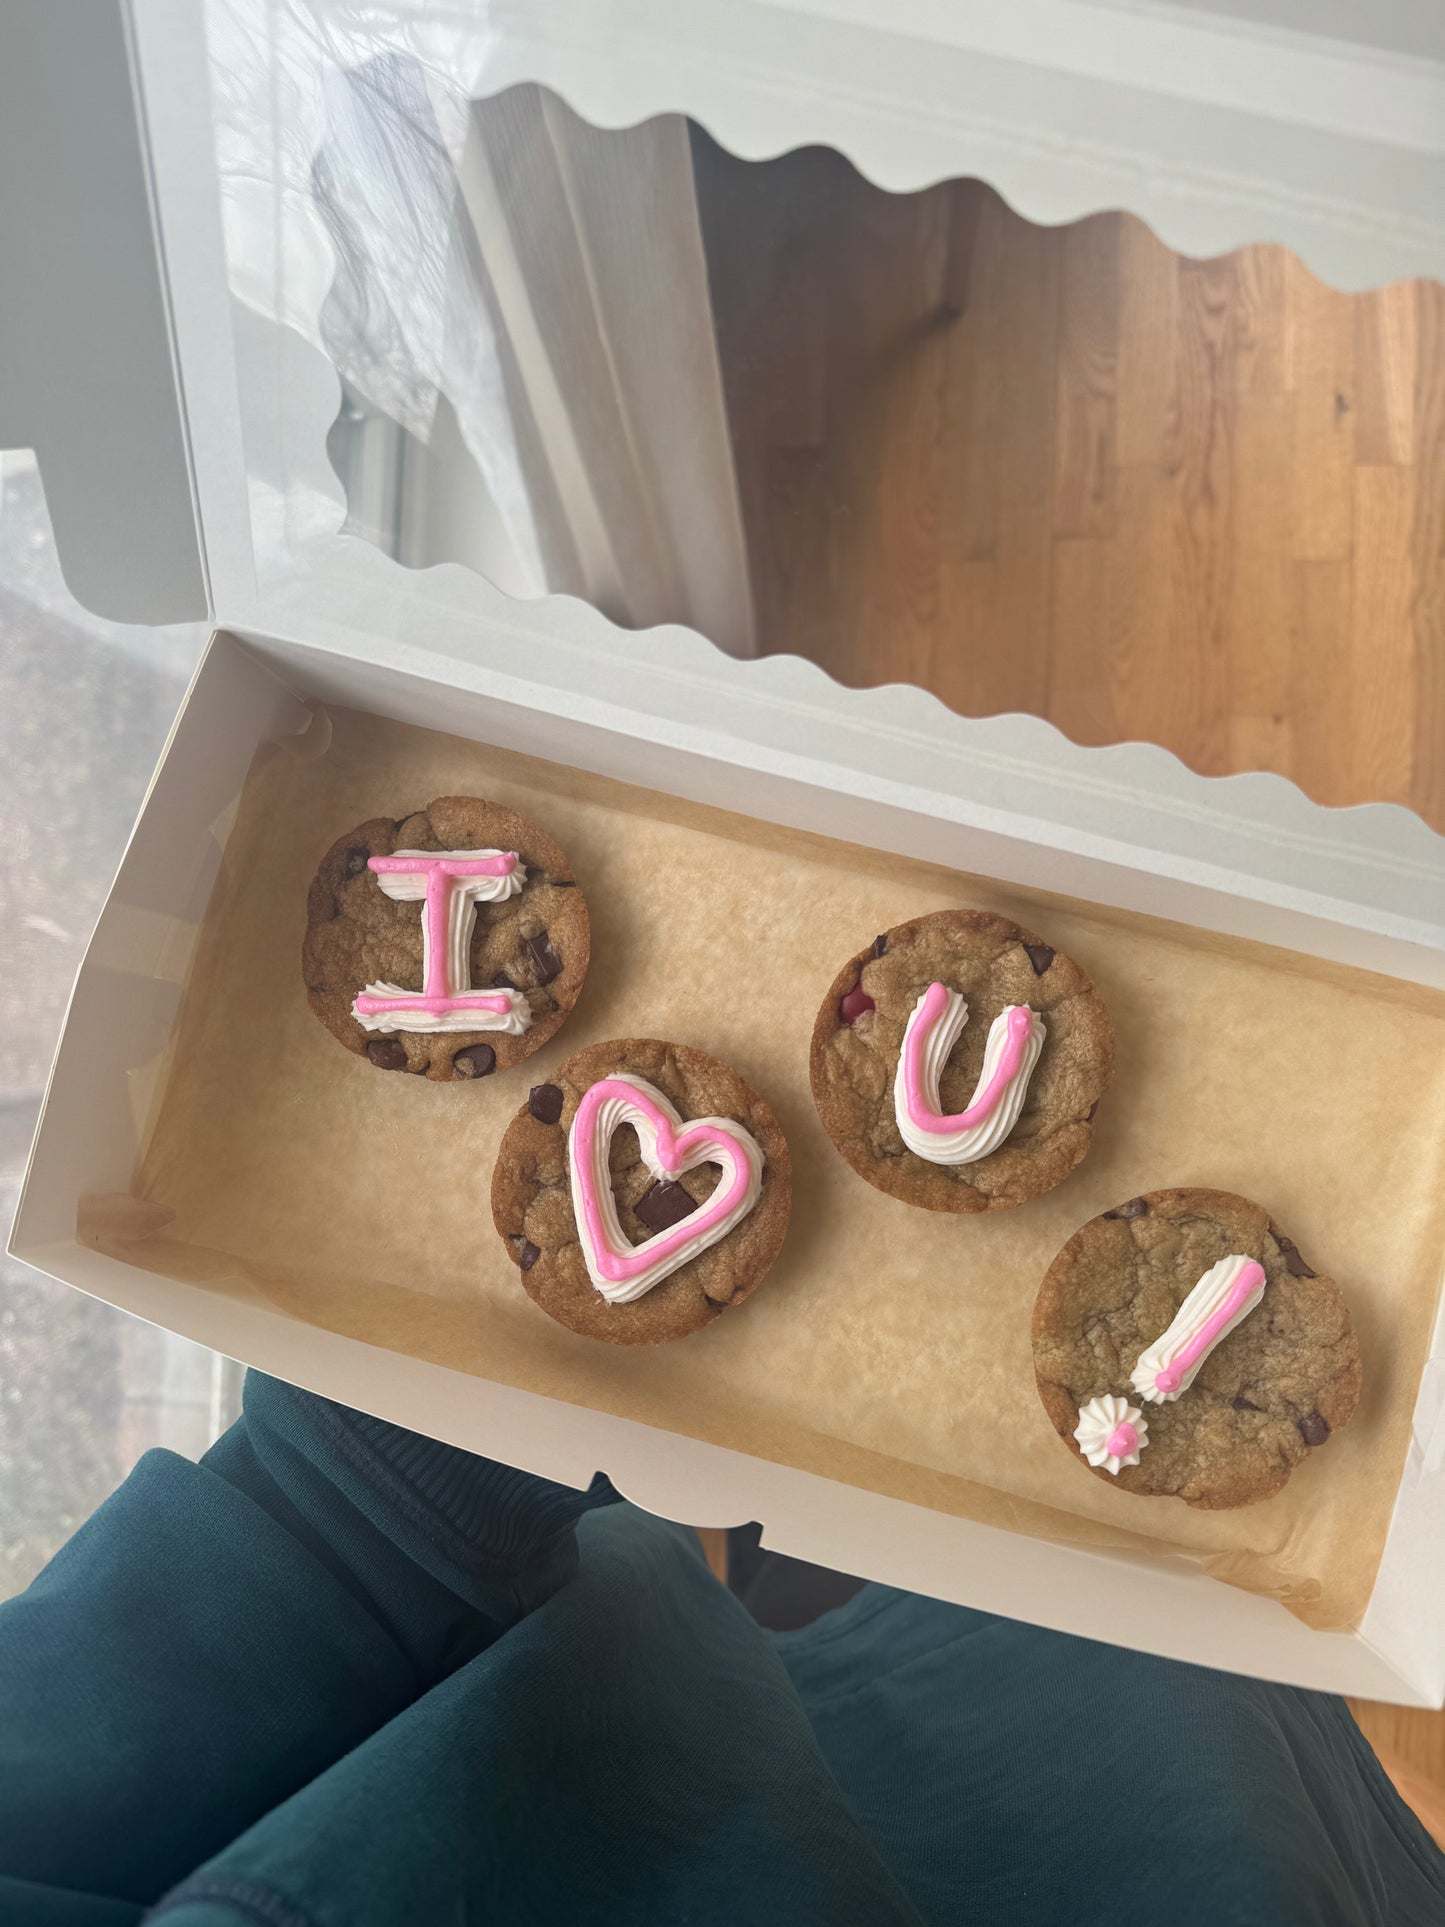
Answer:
(517, 303)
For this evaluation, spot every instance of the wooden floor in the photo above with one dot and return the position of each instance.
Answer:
(1063, 470)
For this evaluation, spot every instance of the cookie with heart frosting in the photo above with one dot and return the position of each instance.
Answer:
(641, 1191)
(957, 1062)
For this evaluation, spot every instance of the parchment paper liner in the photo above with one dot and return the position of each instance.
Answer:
(889, 1349)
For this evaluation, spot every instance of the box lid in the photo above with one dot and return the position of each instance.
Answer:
(183, 439)
(1217, 123)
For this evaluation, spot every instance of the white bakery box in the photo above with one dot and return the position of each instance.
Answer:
(181, 422)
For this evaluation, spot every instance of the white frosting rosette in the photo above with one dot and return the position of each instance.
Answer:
(1111, 1432)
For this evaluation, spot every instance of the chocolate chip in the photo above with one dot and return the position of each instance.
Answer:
(478, 1060)
(1089, 1114)
(356, 861)
(853, 1004)
(544, 958)
(1041, 955)
(387, 1053)
(1294, 1264)
(1243, 1404)
(503, 982)
(664, 1204)
(544, 1101)
(527, 1254)
(1135, 1208)
(880, 944)
(1312, 1428)
(561, 883)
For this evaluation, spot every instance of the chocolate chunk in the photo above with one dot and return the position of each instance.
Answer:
(1041, 955)
(543, 957)
(1089, 1114)
(880, 945)
(544, 1101)
(527, 1253)
(387, 1053)
(1312, 1428)
(1294, 1264)
(503, 982)
(664, 1204)
(1243, 1404)
(853, 1004)
(1135, 1208)
(561, 883)
(356, 861)
(478, 1060)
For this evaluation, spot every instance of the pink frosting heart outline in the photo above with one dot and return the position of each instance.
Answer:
(669, 1147)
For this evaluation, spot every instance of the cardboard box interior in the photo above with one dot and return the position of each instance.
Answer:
(889, 1350)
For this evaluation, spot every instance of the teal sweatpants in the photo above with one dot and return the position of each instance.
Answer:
(337, 1675)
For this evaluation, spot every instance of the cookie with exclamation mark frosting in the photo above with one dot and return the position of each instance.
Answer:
(1185, 1347)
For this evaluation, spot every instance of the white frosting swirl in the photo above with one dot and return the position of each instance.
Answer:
(516, 1018)
(1200, 1312)
(976, 1141)
(1098, 1427)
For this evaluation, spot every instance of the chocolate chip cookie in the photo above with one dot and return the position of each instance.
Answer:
(958, 1060)
(642, 1191)
(451, 942)
(1185, 1348)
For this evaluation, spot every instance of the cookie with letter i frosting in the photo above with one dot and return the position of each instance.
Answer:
(451, 942)
(642, 1191)
(957, 1062)
(1185, 1348)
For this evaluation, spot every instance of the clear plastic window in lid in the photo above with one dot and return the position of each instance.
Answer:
(910, 436)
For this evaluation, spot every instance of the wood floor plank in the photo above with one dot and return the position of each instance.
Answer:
(1193, 698)
(1087, 361)
(1374, 741)
(1146, 401)
(1081, 687)
(1026, 371)
(1426, 695)
(1264, 334)
(1262, 652)
(1321, 379)
(1141, 562)
(1323, 610)
(1387, 346)
(973, 419)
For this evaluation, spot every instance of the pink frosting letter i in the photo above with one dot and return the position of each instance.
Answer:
(449, 885)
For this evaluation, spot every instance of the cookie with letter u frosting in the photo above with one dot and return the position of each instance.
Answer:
(957, 1062)
(1185, 1347)
(641, 1191)
(450, 943)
